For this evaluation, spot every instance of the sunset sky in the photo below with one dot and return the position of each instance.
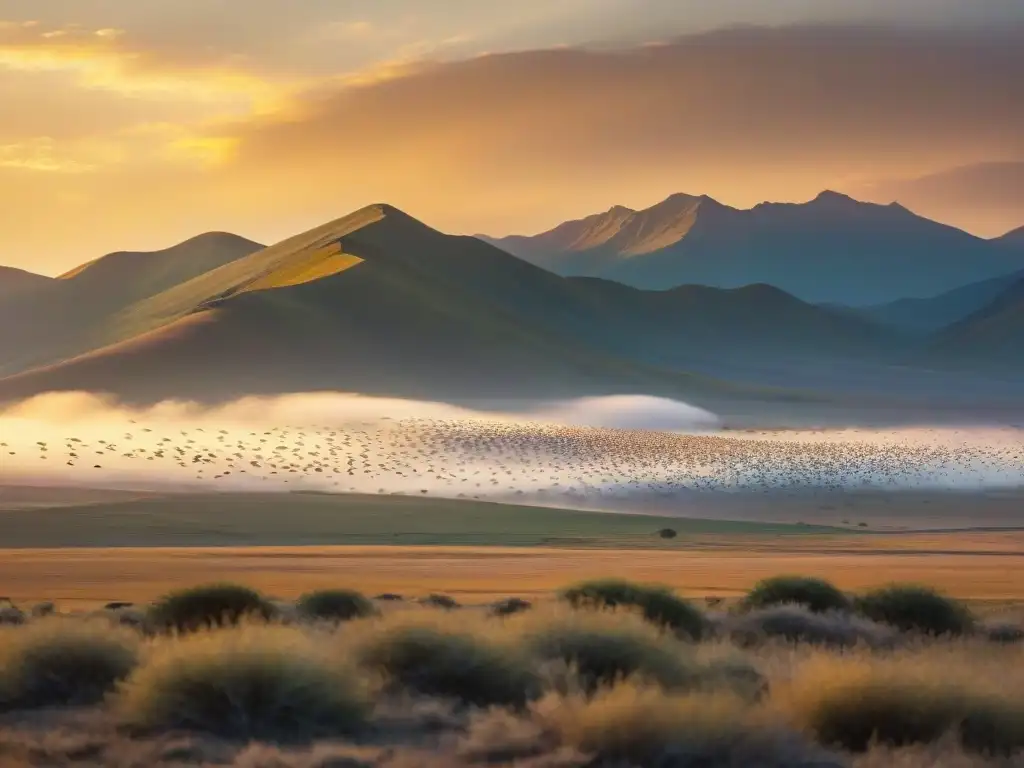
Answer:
(134, 124)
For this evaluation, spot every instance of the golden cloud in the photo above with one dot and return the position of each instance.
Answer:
(107, 59)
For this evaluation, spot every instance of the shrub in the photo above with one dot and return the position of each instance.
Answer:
(335, 605)
(440, 601)
(631, 725)
(796, 624)
(606, 649)
(11, 616)
(667, 533)
(266, 683)
(453, 662)
(659, 605)
(912, 608)
(510, 606)
(816, 595)
(1004, 633)
(207, 606)
(57, 662)
(902, 703)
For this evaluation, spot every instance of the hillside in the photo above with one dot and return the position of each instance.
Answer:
(831, 249)
(924, 316)
(15, 282)
(1014, 238)
(377, 302)
(994, 335)
(75, 312)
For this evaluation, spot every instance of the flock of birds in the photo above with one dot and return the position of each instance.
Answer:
(476, 458)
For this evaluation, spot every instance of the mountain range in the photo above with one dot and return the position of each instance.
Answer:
(377, 302)
(832, 249)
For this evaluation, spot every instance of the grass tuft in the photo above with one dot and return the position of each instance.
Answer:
(335, 605)
(634, 725)
(658, 605)
(429, 655)
(251, 682)
(899, 703)
(913, 608)
(59, 662)
(796, 624)
(816, 595)
(605, 648)
(207, 606)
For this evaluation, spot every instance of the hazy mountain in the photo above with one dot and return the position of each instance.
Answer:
(936, 312)
(80, 310)
(831, 249)
(18, 281)
(1013, 238)
(993, 335)
(377, 302)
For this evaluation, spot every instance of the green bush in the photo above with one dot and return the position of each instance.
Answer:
(912, 608)
(460, 664)
(899, 710)
(208, 606)
(606, 650)
(659, 605)
(334, 605)
(267, 683)
(59, 662)
(440, 601)
(510, 606)
(816, 595)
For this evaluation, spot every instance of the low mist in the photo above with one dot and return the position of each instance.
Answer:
(582, 452)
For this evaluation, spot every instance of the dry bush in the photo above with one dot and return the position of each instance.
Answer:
(207, 606)
(466, 658)
(250, 682)
(816, 595)
(908, 698)
(635, 725)
(602, 648)
(62, 661)
(334, 605)
(11, 616)
(796, 624)
(1005, 634)
(913, 608)
(510, 606)
(440, 601)
(658, 605)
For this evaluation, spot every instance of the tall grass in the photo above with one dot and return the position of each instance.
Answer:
(251, 682)
(433, 654)
(61, 661)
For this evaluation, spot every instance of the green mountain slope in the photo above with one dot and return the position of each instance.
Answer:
(377, 302)
(74, 313)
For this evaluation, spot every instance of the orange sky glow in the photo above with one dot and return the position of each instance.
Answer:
(129, 125)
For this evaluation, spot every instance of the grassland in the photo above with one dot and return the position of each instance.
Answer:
(219, 675)
(296, 519)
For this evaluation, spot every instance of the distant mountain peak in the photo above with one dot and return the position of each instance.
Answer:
(832, 197)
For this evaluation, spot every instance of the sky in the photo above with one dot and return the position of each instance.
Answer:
(135, 124)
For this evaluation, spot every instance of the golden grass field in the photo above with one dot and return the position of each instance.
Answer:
(978, 567)
(461, 548)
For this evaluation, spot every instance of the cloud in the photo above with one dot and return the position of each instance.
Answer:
(506, 142)
(110, 59)
(744, 114)
(40, 154)
(988, 195)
